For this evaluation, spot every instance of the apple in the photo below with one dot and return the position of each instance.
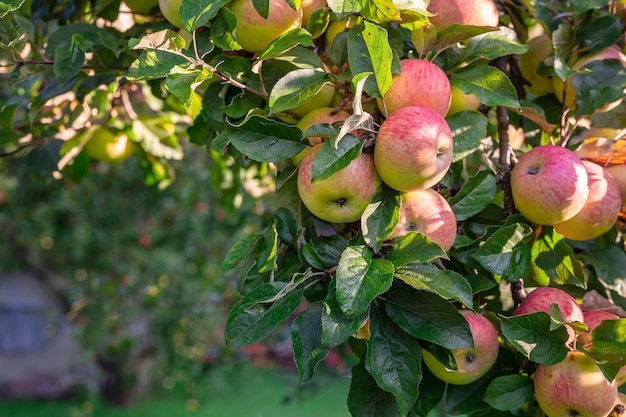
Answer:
(142, 6)
(611, 52)
(413, 149)
(618, 172)
(472, 362)
(574, 387)
(317, 116)
(593, 318)
(619, 408)
(426, 211)
(336, 26)
(541, 298)
(253, 32)
(420, 83)
(549, 184)
(322, 98)
(463, 12)
(171, 10)
(460, 101)
(309, 6)
(104, 145)
(343, 197)
(539, 49)
(601, 209)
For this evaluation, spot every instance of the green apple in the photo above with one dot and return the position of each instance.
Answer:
(427, 212)
(471, 362)
(574, 387)
(343, 197)
(420, 83)
(463, 12)
(549, 184)
(322, 98)
(600, 211)
(171, 10)
(413, 149)
(104, 145)
(336, 26)
(141, 6)
(539, 49)
(253, 32)
(460, 101)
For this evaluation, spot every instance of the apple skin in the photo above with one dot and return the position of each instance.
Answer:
(253, 32)
(574, 387)
(541, 298)
(171, 10)
(343, 197)
(141, 6)
(336, 26)
(601, 209)
(413, 149)
(104, 145)
(611, 52)
(463, 12)
(472, 363)
(420, 83)
(618, 172)
(309, 6)
(460, 101)
(426, 211)
(549, 184)
(322, 98)
(539, 49)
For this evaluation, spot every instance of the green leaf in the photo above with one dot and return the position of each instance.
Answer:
(490, 85)
(329, 160)
(507, 252)
(509, 392)
(359, 279)
(7, 6)
(427, 316)
(253, 318)
(413, 247)
(238, 251)
(286, 225)
(493, 45)
(180, 80)
(153, 64)
(380, 217)
(295, 88)
(344, 6)
(197, 13)
(608, 262)
(268, 248)
(445, 283)
(454, 34)
(394, 360)
(369, 51)
(306, 332)
(285, 42)
(598, 33)
(578, 7)
(610, 337)
(553, 260)
(380, 11)
(475, 194)
(469, 128)
(530, 334)
(70, 58)
(604, 84)
(336, 327)
(366, 398)
(266, 140)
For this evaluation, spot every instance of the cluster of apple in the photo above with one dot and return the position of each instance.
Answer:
(552, 186)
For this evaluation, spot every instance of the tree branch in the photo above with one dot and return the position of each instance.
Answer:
(504, 170)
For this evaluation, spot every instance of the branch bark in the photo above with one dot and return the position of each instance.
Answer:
(504, 169)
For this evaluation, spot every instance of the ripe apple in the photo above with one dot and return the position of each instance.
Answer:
(460, 101)
(343, 197)
(317, 116)
(171, 10)
(539, 49)
(413, 148)
(593, 318)
(549, 184)
(426, 211)
(141, 6)
(574, 387)
(601, 209)
(611, 52)
(463, 12)
(472, 362)
(322, 98)
(618, 172)
(541, 298)
(253, 32)
(106, 146)
(309, 6)
(420, 83)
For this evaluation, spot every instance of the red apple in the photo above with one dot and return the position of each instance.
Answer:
(593, 318)
(574, 387)
(601, 209)
(541, 298)
(420, 83)
(463, 12)
(413, 148)
(549, 184)
(472, 362)
(343, 197)
(426, 211)
(253, 32)
(618, 172)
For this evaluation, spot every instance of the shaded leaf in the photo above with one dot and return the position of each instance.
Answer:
(413, 247)
(306, 331)
(475, 194)
(509, 392)
(366, 398)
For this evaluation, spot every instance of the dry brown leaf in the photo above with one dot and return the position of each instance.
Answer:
(603, 151)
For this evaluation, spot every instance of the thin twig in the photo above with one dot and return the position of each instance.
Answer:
(504, 170)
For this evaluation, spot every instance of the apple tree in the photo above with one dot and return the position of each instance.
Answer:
(429, 164)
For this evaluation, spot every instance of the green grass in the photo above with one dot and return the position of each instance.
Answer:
(226, 392)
